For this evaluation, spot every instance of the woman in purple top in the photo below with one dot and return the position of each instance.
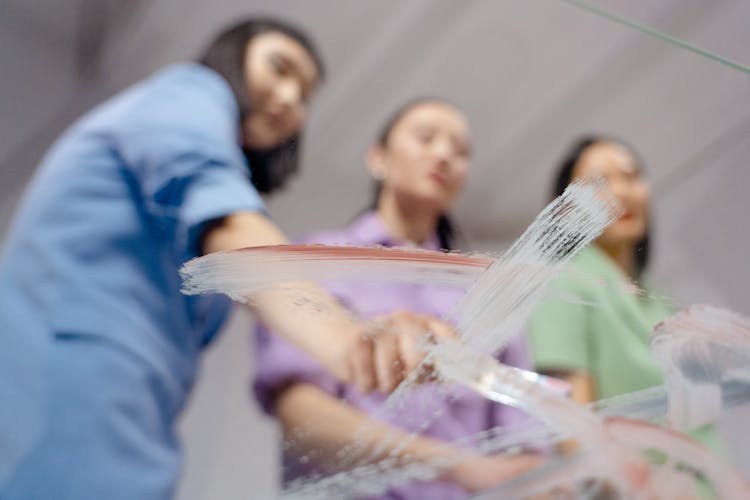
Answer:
(420, 163)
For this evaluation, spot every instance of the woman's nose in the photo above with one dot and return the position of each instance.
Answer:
(442, 149)
(288, 94)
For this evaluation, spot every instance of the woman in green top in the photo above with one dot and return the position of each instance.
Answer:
(594, 327)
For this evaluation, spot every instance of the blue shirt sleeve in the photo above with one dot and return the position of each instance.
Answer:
(185, 180)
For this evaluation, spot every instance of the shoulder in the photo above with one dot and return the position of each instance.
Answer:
(590, 268)
(581, 279)
(189, 99)
(578, 274)
(192, 82)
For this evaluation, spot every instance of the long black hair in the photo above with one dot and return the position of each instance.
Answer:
(447, 231)
(564, 177)
(226, 55)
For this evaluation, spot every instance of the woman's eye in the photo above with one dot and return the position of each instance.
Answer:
(279, 66)
(424, 138)
(636, 176)
(460, 149)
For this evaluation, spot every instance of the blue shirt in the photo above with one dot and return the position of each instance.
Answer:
(113, 211)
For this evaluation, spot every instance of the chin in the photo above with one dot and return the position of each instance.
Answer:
(259, 138)
(617, 238)
(437, 195)
(629, 228)
(439, 203)
(424, 202)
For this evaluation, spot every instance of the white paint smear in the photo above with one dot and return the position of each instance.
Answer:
(502, 293)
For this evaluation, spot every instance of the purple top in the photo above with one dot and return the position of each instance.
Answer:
(464, 413)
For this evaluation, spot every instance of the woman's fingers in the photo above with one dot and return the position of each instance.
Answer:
(361, 364)
(484, 472)
(410, 351)
(393, 347)
(441, 329)
(389, 368)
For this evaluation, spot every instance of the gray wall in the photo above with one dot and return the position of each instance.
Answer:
(530, 75)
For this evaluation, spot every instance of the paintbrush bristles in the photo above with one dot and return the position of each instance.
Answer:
(498, 304)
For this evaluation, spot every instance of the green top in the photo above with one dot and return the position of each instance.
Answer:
(595, 319)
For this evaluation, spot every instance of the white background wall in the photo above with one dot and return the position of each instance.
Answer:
(530, 75)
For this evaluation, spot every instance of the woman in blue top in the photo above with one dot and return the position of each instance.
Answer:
(98, 347)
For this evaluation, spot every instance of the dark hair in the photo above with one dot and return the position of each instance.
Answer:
(226, 55)
(447, 231)
(565, 176)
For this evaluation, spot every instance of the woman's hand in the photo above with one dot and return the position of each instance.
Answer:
(484, 472)
(389, 349)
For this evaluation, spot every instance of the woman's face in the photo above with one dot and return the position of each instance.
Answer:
(426, 157)
(281, 77)
(619, 168)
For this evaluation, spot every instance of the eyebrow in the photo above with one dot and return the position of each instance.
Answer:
(632, 167)
(428, 126)
(310, 81)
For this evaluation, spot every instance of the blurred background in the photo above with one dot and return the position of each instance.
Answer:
(669, 77)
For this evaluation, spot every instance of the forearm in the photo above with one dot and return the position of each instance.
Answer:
(312, 320)
(318, 425)
(582, 391)
(301, 312)
(582, 386)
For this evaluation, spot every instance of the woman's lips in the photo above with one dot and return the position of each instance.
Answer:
(275, 119)
(439, 178)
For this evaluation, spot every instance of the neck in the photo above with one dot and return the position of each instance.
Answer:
(407, 224)
(623, 254)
